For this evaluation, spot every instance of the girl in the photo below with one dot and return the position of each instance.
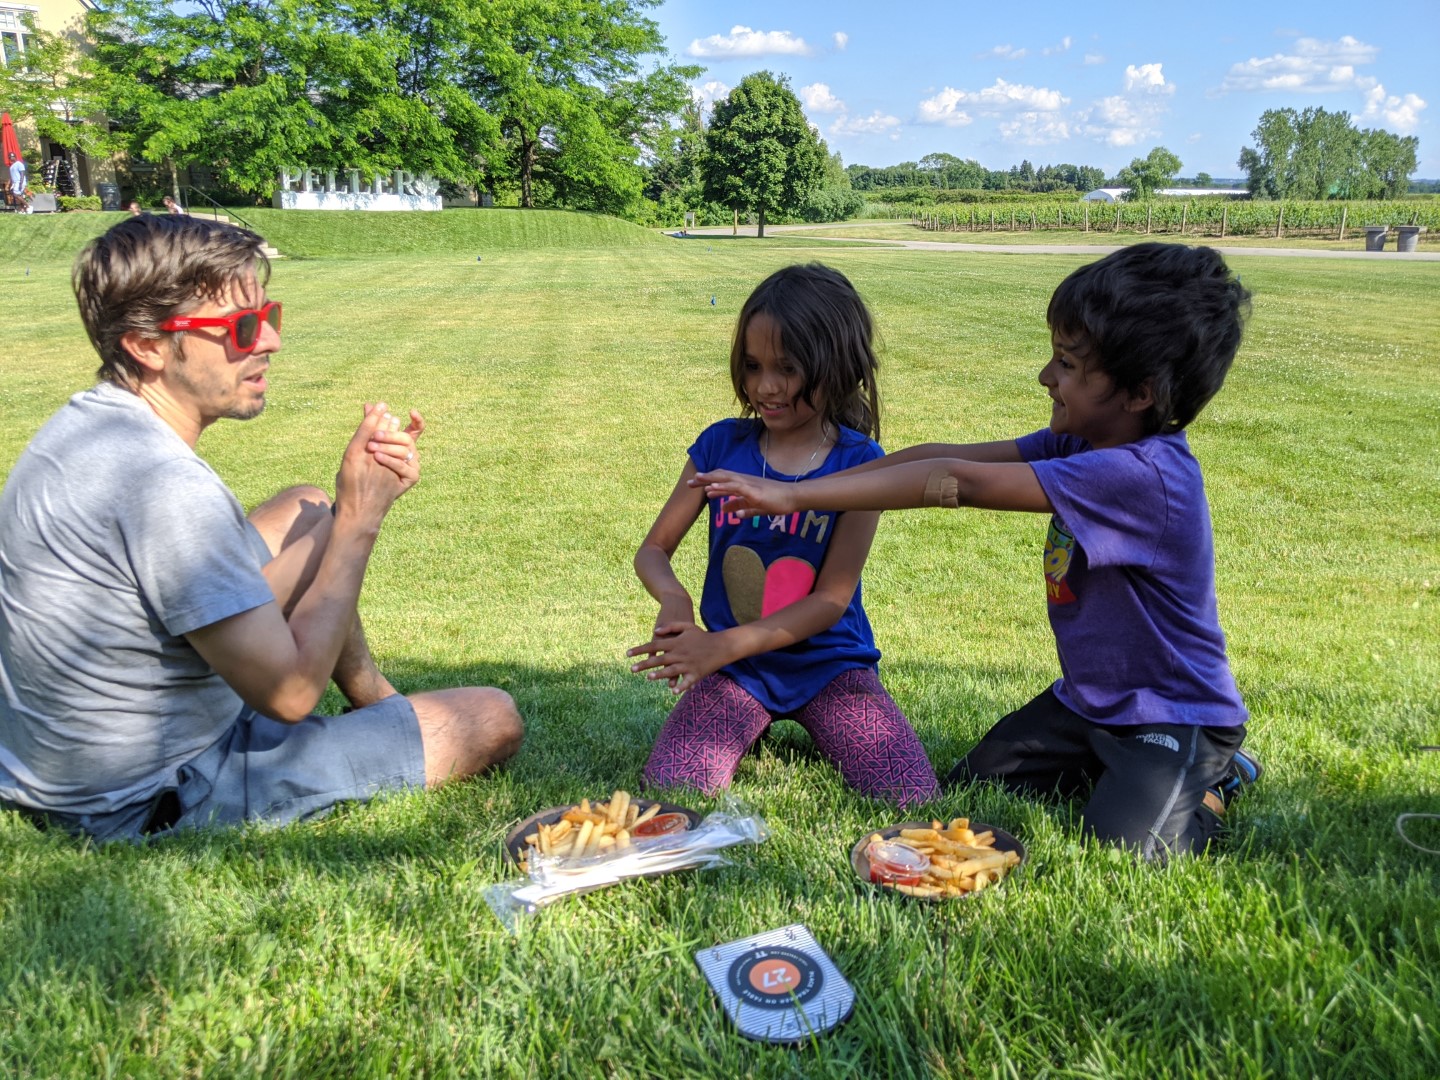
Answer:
(785, 633)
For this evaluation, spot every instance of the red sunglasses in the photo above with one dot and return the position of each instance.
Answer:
(244, 324)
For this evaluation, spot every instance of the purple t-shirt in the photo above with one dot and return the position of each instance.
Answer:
(759, 565)
(1130, 580)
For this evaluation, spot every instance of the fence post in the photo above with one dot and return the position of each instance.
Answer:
(1012, 219)
(1280, 221)
(992, 219)
(1087, 217)
(1117, 217)
(1059, 217)
(1344, 214)
(1224, 220)
(1147, 219)
(1184, 213)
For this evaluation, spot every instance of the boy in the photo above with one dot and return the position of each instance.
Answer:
(1145, 715)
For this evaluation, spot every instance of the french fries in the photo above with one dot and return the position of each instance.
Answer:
(588, 829)
(961, 861)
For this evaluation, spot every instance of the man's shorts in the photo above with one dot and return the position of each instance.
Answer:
(264, 770)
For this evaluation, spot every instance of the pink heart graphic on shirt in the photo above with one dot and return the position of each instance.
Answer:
(755, 591)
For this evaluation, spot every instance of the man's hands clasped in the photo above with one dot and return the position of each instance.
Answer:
(380, 464)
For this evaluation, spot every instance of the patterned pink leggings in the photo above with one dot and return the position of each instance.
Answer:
(854, 723)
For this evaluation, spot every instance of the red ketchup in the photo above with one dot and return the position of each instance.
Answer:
(662, 825)
(895, 863)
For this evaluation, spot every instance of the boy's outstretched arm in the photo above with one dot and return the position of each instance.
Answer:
(948, 482)
(1004, 450)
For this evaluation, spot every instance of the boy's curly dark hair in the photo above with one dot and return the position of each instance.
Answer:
(1166, 314)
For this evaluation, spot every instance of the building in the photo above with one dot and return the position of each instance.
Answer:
(1115, 194)
(63, 18)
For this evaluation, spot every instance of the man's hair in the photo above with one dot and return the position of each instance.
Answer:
(146, 269)
(1166, 314)
(827, 332)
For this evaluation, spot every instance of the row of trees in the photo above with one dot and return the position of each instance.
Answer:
(1315, 154)
(948, 172)
(554, 99)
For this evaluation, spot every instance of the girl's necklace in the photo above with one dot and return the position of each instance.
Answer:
(824, 437)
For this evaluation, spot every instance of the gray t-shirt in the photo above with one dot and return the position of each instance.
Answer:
(115, 541)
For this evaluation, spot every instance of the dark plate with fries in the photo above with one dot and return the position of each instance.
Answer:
(515, 845)
(998, 841)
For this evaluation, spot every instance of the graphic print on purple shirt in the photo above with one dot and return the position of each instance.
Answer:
(1059, 546)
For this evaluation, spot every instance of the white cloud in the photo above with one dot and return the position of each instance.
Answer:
(1134, 116)
(1092, 59)
(1064, 46)
(841, 40)
(1012, 101)
(1117, 121)
(943, 109)
(818, 98)
(1400, 114)
(877, 123)
(1148, 78)
(1315, 67)
(709, 93)
(745, 42)
(1005, 52)
(1035, 128)
(1194, 137)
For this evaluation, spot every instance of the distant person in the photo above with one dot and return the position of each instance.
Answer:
(134, 208)
(1145, 720)
(19, 178)
(161, 653)
(171, 206)
(785, 631)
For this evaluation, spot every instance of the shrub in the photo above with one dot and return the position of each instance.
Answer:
(79, 202)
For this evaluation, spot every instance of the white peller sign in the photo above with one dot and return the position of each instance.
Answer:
(348, 189)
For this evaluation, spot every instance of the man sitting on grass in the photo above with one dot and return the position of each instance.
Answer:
(160, 652)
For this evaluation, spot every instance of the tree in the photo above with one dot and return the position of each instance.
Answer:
(565, 79)
(60, 90)
(1204, 180)
(1315, 154)
(760, 152)
(1144, 175)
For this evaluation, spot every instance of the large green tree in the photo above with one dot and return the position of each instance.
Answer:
(1144, 176)
(1315, 154)
(760, 152)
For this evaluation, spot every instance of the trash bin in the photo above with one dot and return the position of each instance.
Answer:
(1407, 237)
(1375, 237)
(109, 196)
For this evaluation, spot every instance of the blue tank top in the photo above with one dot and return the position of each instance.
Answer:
(760, 565)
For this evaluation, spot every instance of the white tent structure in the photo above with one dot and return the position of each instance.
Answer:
(1115, 194)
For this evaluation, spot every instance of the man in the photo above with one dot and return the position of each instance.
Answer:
(160, 653)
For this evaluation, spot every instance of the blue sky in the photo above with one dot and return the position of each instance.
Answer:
(1088, 84)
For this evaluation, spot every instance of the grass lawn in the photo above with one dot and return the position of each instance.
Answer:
(904, 230)
(563, 381)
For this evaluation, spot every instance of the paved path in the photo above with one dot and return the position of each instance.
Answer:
(1076, 249)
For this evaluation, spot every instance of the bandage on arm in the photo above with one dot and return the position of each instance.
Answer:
(942, 489)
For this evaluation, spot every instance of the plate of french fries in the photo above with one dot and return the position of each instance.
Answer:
(935, 860)
(592, 829)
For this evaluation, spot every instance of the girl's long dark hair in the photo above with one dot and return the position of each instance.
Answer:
(826, 331)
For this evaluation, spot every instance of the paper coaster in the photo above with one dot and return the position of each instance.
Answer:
(778, 986)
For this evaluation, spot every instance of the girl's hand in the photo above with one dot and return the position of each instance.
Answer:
(748, 496)
(680, 653)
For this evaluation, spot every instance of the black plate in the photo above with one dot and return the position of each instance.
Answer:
(515, 842)
(860, 863)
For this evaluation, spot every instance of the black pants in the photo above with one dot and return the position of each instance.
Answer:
(1145, 782)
